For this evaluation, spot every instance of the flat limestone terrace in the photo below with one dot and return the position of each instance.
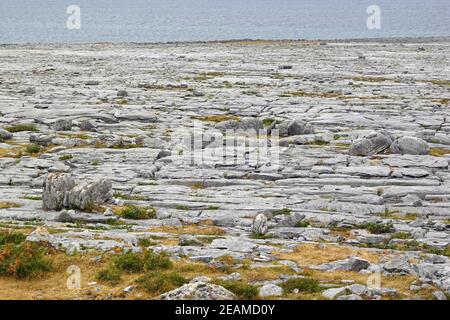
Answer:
(357, 207)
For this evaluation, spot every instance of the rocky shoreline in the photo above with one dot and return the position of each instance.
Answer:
(90, 156)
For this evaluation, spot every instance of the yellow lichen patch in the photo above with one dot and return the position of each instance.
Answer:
(190, 229)
(311, 254)
(216, 118)
(8, 204)
(439, 152)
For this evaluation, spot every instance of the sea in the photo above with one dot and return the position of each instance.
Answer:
(148, 21)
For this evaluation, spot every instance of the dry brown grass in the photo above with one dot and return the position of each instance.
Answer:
(267, 273)
(53, 285)
(311, 254)
(400, 282)
(10, 153)
(190, 229)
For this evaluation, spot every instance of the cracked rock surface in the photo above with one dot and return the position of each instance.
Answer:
(363, 166)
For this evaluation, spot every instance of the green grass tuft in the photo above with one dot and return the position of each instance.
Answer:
(302, 285)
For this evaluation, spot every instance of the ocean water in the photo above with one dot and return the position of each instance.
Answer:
(44, 21)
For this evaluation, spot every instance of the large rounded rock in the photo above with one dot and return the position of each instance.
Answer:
(270, 290)
(243, 124)
(88, 194)
(55, 191)
(259, 226)
(5, 135)
(62, 125)
(41, 139)
(297, 127)
(291, 220)
(199, 289)
(370, 146)
(410, 145)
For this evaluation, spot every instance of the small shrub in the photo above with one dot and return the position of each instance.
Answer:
(124, 196)
(11, 237)
(303, 224)
(159, 282)
(378, 228)
(132, 262)
(23, 261)
(240, 289)
(155, 261)
(144, 242)
(401, 235)
(21, 127)
(129, 262)
(109, 275)
(33, 149)
(302, 284)
(137, 212)
(66, 157)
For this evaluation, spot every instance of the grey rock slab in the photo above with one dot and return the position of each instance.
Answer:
(233, 244)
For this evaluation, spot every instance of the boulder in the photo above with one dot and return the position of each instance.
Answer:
(335, 292)
(298, 127)
(5, 135)
(370, 146)
(189, 240)
(62, 125)
(259, 226)
(351, 264)
(270, 290)
(87, 194)
(40, 234)
(409, 145)
(243, 124)
(398, 265)
(122, 93)
(199, 289)
(87, 125)
(41, 139)
(292, 220)
(439, 295)
(29, 91)
(65, 216)
(55, 190)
